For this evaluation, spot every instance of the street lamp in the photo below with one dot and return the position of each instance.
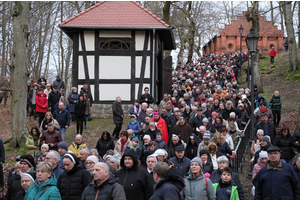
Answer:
(298, 36)
(251, 42)
(241, 59)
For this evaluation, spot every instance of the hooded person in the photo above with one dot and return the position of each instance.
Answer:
(133, 178)
(260, 99)
(192, 147)
(262, 160)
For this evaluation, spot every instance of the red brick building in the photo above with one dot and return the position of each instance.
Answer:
(229, 39)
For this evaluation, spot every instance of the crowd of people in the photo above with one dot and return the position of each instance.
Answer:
(181, 150)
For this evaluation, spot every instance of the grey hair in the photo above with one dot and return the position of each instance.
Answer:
(47, 166)
(55, 155)
(222, 159)
(87, 150)
(145, 104)
(149, 110)
(259, 131)
(229, 103)
(276, 92)
(94, 151)
(232, 113)
(118, 97)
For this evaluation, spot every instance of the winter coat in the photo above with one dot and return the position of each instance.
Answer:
(88, 93)
(162, 127)
(222, 193)
(71, 98)
(148, 96)
(181, 167)
(256, 168)
(71, 184)
(226, 112)
(135, 126)
(103, 145)
(218, 127)
(277, 184)
(62, 117)
(107, 190)
(135, 179)
(151, 133)
(2, 152)
(44, 125)
(47, 92)
(256, 155)
(208, 166)
(168, 188)
(41, 102)
(275, 103)
(53, 99)
(117, 113)
(161, 144)
(32, 94)
(57, 171)
(45, 191)
(296, 138)
(223, 147)
(286, 145)
(134, 110)
(137, 150)
(273, 53)
(191, 149)
(59, 84)
(51, 138)
(259, 97)
(118, 146)
(21, 195)
(183, 132)
(297, 171)
(75, 149)
(80, 110)
(141, 117)
(87, 107)
(30, 144)
(259, 113)
(199, 188)
(196, 122)
(271, 128)
(171, 149)
(57, 105)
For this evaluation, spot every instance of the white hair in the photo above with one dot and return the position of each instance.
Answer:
(260, 131)
(145, 104)
(232, 114)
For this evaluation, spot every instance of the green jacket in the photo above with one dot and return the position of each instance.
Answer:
(234, 193)
(36, 191)
(30, 144)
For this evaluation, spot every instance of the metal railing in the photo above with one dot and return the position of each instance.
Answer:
(240, 149)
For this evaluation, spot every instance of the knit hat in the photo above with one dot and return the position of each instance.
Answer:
(206, 136)
(265, 138)
(198, 160)
(28, 159)
(205, 120)
(116, 159)
(93, 158)
(263, 154)
(147, 137)
(203, 105)
(214, 113)
(63, 145)
(158, 133)
(203, 152)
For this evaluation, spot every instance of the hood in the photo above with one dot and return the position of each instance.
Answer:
(62, 97)
(259, 97)
(131, 153)
(196, 143)
(173, 179)
(51, 182)
(210, 145)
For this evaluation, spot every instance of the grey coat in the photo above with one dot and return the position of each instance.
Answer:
(117, 113)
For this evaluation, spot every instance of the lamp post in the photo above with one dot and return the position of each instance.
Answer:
(241, 59)
(298, 35)
(252, 41)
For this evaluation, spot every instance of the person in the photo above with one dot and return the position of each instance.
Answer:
(84, 154)
(228, 137)
(134, 145)
(47, 90)
(51, 137)
(33, 141)
(45, 184)
(74, 179)
(261, 99)
(218, 124)
(103, 186)
(151, 161)
(27, 180)
(136, 108)
(80, 114)
(204, 144)
(161, 126)
(151, 131)
(143, 114)
(265, 144)
(133, 178)
(62, 150)
(62, 116)
(183, 130)
(41, 104)
(73, 97)
(167, 186)
(235, 134)
(104, 143)
(286, 186)
(145, 151)
(4, 90)
(225, 189)
(122, 143)
(32, 94)
(44, 150)
(87, 110)
(86, 90)
(196, 122)
(197, 186)
(275, 104)
(133, 124)
(206, 162)
(146, 97)
(272, 55)
(263, 158)
(256, 142)
(58, 83)
(163, 102)
(54, 158)
(159, 142)
(261, 111)
(223, 147)
(117, 117)
(63, 100)
(47, 120)
(192, 147)
(181, 163)
(76, 146)
(90, 164)
(297, 167)
(53, 98)
(175, 142)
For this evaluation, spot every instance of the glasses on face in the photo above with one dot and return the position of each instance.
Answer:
(89, 163)
(47, 158)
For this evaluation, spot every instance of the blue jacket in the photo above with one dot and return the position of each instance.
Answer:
(63, 117)
(181, 168)
(259, 97)
(71, 102)
(277, 184)
(135, 126)
(57, 171)
(161, 144)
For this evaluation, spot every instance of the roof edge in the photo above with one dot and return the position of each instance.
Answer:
(114, 27)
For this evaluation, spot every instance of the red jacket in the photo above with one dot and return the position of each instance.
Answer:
(162, 126)
(41, 102)
(272, 53)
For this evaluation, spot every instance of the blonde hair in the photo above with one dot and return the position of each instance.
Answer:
(48, 113)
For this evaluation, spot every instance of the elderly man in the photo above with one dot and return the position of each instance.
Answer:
(117, 117)
(276, 180)
(58, 82)
(183, 130)
(62, 116)
(161, 125)
(42, 79)
(197, 120)
(163, 103)
(53, 98)
(181, 163)
(51, 137)
(103, 186)
(76, 146)
(143, 114)
(84, 154)
(53, 157)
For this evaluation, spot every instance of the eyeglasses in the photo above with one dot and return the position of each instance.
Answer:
(89, 163)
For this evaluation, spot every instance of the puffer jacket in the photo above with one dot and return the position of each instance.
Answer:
(41, 102)
(37, 191)
(80, 110)
(53, 99)
(72, 98)
(117, 113)
(103, 145)
(135, 126)
(71, 184)
(275, 103)
(76, 148)
(30, 144)
(286, 145)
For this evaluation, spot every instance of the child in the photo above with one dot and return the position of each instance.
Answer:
(87, 109)
(159, 142)
(226, 189)
(131, 135)
(134, 145)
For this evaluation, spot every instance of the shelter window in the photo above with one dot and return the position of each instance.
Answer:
(115, 45)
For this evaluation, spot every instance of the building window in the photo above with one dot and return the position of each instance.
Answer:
(230, 46)
(114, 45)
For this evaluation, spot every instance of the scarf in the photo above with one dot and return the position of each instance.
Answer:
(133, 122)
(123, 144)
(214, 161)
(263, 110)
(36, 140)
(137, 110)
(218, 125)
(277, 167)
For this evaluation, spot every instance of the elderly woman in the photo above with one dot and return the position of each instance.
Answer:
(115, 162)
(197, 186)
(90, 163)
(27, 180)
(45, 184)
(122, 143)
(27, 165)
(48, 120)
(44, 149)
(33, 141)
(74, 179)
(256, 142)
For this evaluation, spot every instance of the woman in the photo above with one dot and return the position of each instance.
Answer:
(27, 180)
(213, 154)
(197, 186)
(115, 162)
(73, 98)
(256, 142)
(133, 124)
(136, 108)
(218, 124)
(223, 147)
(284, 141)
(27, 165)
(44, 149)
(41, 104)
(45, 184)
(33, 141)
(192, 147)
(74, 179)
(87, 109)
(213, 117)
(122, 143)
(48, 120)
(227, 137)
(105, 143)
(90, 163)
(207, 164)
(63, 100)
(80, 114)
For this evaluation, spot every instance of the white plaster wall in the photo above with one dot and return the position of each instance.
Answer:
(115, 67)
(109, 92)
(92, 90)
(137, 89)
(138, 66)
(89, 39)
(139, 40)
(91, 66)
(119, 34)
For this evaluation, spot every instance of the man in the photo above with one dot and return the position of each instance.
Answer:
(229, 109)
(76, 146)
(263, 110)
(276, 180)
(183, 130)
(58, 83)
(152, 130)
(197, 120)
(86, 91)
(62, 150)
(146, 97)
(4, 89)
(169, 109)
(62, 116)
(117, 117)
(163, 103)
(235, 134)
(142, 115)
(272, 55)
(144, 126)
(103, 186)
(42, 79)
(181, 163)
(167, 186)
(267, 126)
(53, 98)
(53, 157)
(84, 154)
(134, 178)
(51, 137)
(205, 142)
(165, 116)
(161, 125)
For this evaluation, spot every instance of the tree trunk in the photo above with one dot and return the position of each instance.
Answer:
(288, 20)
(18, 71)
(3, 64)
(281, 18)
(272, 13)
(166, 18)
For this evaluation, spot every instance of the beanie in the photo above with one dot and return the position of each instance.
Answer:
(205, 120)
(206, 136)
(93, 158)
(147, 137)
(198, 160)
(203, 152)
(116, 159)
(158, 133)
(63, 145)
(263, 154)
(265, 138)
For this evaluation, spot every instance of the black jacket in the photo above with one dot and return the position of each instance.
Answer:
(224, 149)
(196, 122)
(117, 113)
(21, 195)
(225, 113)
(104, 145)
(286, 145)
(272, 130)
(53, 99)
(71, 184)
(208, 166)
(148, 96)
(191, 149)
(296, 138)
(89, 94)
(135, 179)
(80, 110)
(152, 134)
(256, 156)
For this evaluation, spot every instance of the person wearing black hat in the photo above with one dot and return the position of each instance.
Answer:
(181, 163)
(53, 98)
(276, 180)
(197, 120)
(58, 83)
(265, 144)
